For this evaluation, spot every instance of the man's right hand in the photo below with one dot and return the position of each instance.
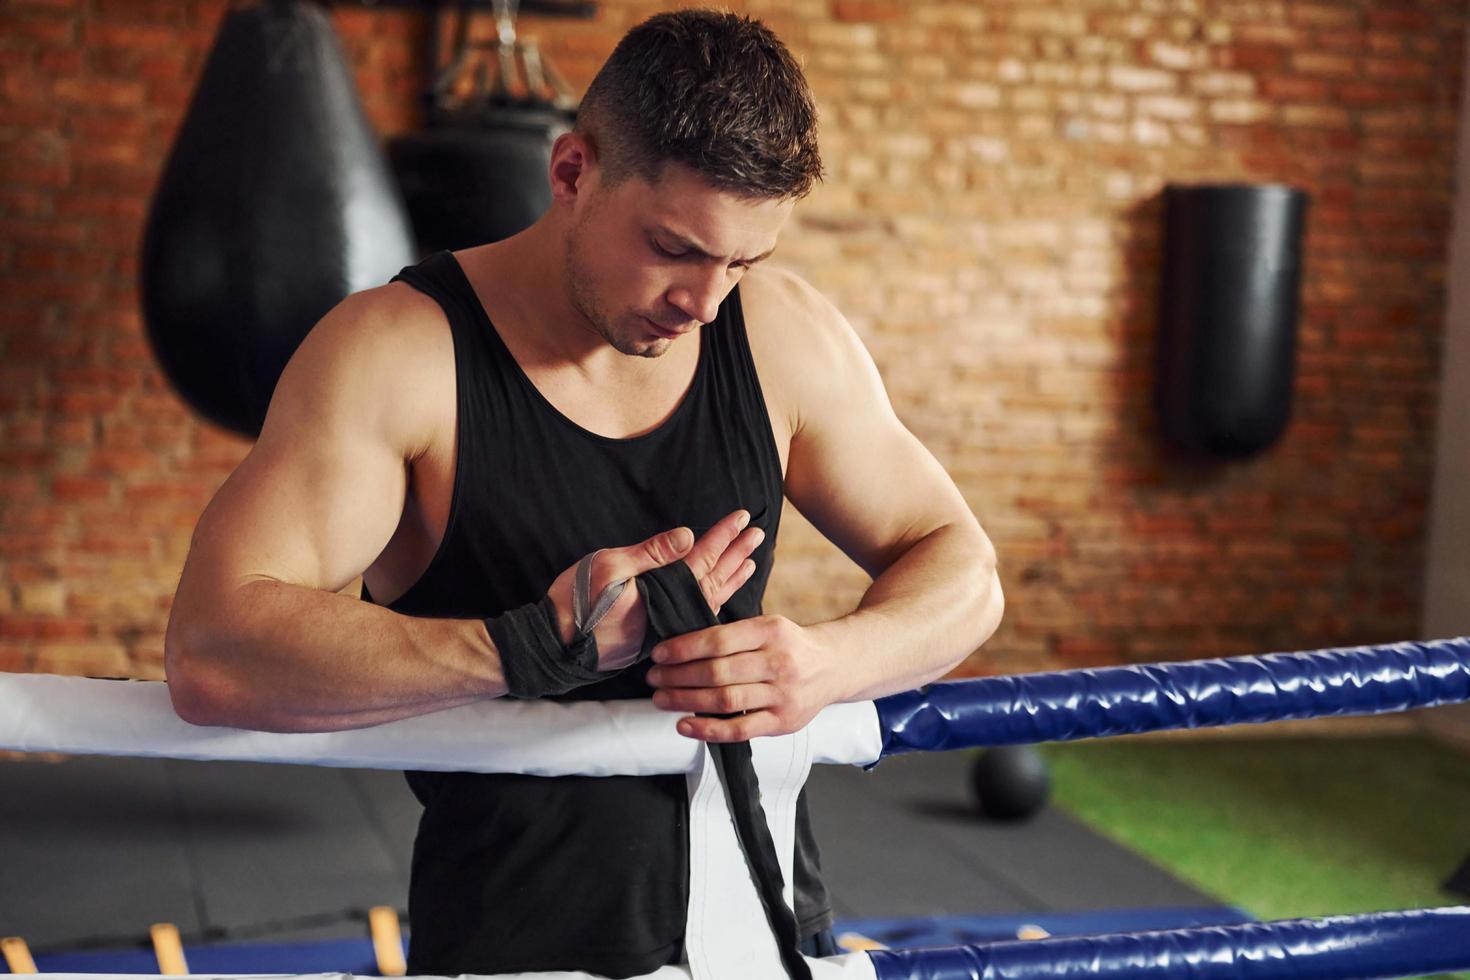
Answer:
(720, 561)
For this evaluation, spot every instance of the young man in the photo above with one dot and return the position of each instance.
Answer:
(467, 435)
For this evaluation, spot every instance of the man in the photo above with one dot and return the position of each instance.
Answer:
(467, 437)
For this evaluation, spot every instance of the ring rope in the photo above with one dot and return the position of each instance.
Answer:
(80, 715)
(45, 713)
(1380, 944)
(1107, 701)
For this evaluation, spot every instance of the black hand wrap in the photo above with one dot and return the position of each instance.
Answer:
(676, 605)
(532, 658)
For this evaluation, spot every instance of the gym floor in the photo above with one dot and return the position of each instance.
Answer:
(95, 850)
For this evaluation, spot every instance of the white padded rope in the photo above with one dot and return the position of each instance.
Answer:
(85, 716)
(727, 936)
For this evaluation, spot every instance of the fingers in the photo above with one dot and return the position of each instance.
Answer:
(741, 728)
(739, 682)
(732, 585)
(733, 560)
(706, 553)
(739, 668)
(718, 700)
(656, 552)
(711, 557)
(716, 641)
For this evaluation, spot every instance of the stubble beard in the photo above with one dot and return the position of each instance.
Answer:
(583, 296)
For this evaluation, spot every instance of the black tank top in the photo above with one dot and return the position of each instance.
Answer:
(526, 873)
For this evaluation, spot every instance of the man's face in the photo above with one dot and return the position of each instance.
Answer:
(648, 262)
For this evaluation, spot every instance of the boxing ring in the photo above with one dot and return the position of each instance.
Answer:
(727, 932)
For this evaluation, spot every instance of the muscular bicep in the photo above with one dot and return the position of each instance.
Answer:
(323, 489)
(855, 471)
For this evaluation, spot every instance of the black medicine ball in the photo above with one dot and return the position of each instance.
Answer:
(1010, 782)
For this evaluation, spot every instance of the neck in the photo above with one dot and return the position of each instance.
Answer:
(524, 277)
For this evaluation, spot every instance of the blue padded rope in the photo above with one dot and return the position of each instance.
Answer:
(1383, 944)
(1073, 704)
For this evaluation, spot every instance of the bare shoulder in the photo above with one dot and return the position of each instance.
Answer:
(386, 354)
(320, 493)
(804, 347)
(775, 300)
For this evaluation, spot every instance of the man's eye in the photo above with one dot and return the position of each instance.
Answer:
(660, 250)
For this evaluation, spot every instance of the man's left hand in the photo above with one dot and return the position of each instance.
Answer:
(768, 671)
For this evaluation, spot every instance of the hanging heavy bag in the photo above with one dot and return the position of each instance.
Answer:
(479, 177)
(275, 203)
(478, 172)
(1228, 316)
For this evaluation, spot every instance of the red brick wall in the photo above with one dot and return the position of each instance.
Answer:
(990, 226)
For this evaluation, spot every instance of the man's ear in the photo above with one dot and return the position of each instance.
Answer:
(573, 165)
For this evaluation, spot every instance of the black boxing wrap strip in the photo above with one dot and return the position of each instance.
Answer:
(532, 658)
(676, 605)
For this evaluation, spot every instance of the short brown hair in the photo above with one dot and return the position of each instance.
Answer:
(715, 91)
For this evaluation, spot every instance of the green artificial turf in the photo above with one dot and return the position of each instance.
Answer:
(1282, 828)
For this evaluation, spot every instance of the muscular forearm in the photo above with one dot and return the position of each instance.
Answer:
(274, 656)
(923, 615)
(290, 658)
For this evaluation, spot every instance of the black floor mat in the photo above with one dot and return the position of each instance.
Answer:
(95, 850)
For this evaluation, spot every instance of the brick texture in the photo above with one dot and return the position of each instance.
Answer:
(991, 228)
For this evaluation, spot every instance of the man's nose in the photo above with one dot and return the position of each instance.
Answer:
(700, 293)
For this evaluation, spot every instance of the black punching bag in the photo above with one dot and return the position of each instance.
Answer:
(275, 203)
(477, 176)
(479, 171)
(1228, 314)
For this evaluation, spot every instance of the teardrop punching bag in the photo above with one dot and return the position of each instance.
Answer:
(276, 202)
(1228, 315)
